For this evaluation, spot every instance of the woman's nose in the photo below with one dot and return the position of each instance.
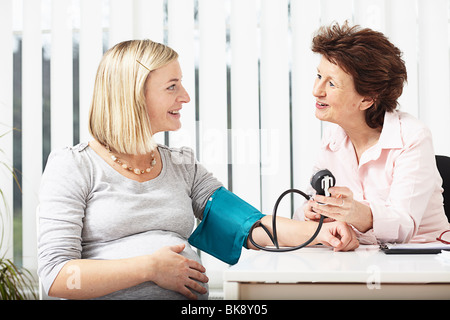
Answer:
(184, 96)
(318, 88)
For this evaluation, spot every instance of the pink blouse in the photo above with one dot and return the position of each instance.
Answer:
(397, 178)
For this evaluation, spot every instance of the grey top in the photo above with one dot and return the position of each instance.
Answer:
(90, 211)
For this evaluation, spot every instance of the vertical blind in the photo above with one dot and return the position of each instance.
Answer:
(247, 66)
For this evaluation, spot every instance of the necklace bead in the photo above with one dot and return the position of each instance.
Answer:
(136, 171)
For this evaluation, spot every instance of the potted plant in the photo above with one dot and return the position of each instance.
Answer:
(15, 283)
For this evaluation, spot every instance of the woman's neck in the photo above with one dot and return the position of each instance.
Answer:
(362, 137)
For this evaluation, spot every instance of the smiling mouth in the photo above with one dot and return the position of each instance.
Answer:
(321, 105)
(174, 112)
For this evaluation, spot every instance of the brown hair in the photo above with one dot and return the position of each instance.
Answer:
(375, 64)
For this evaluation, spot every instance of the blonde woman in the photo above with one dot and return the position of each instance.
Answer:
(116, 213)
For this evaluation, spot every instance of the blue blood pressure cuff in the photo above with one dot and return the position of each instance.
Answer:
(226, 223)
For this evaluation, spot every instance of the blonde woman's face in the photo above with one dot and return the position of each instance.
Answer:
(164, 97)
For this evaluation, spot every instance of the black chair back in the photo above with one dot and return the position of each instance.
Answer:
(443, 165)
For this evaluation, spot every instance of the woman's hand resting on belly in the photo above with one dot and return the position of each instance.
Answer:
(170, 270)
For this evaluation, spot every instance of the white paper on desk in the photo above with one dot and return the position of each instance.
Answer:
(444, 257)
(431, 245)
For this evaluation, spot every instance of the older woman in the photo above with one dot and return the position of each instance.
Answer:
(116, 213)
(388, 187)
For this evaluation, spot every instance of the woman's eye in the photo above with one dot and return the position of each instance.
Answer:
(319, 76)
(331, 84)
(172, 87)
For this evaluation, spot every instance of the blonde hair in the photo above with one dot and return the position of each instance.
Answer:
(118, 116)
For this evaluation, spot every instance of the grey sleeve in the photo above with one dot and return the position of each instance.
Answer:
(62, 200)
(203, 183)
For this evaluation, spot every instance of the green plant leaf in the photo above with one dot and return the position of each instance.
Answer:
(15, 283)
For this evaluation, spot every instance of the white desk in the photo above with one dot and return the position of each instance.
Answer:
(320, 273)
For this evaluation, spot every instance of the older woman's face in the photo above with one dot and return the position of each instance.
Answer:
(164, 97)
(336, 98)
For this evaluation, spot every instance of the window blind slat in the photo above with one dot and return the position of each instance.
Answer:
(401, 28)
(31, 126)
(120, 21)
(275, 109)
(61, 75)
(371, 14)
(213, 146)
(245, 101)
(149, 20)
(336, 11)
(91, 51)
(434, 84)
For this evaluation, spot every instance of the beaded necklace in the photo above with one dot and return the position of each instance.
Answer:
(127, 167)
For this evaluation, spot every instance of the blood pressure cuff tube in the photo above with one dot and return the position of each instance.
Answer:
(225, 226)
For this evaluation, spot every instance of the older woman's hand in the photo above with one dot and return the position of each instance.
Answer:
(341, 206)
(309, 213)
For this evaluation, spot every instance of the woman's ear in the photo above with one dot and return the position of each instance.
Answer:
(366, 103)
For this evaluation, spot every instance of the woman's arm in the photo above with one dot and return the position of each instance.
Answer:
(293, 233)
(86, 279)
